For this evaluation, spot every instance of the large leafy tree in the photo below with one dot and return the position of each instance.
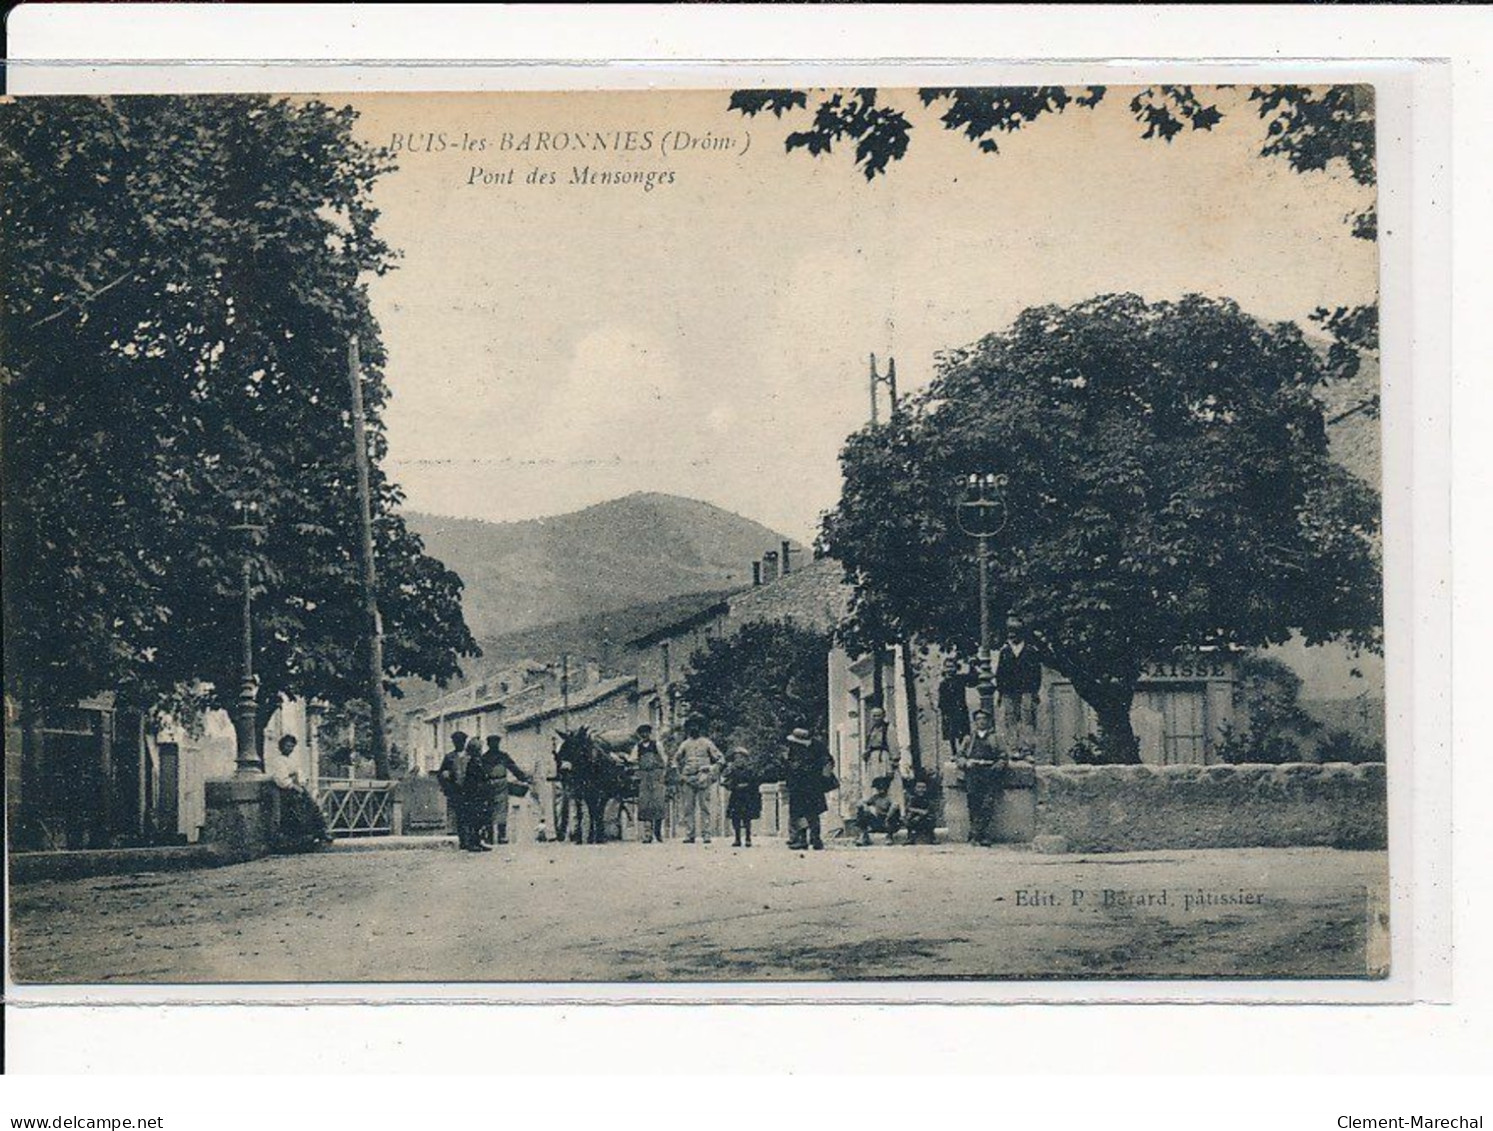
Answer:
(1311, 128)
(1169, 486)
(756, 685)
(183, 277)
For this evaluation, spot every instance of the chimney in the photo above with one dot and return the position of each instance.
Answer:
(787, 549)
(756, 573)
(769, 566)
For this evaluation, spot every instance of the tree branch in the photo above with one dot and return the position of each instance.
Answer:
(73, 304)
(1361, 406)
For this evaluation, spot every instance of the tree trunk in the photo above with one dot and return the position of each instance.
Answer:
(910, 687)
(1116, 735)
(32, 806)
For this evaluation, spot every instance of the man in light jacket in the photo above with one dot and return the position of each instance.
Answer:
(698, 763)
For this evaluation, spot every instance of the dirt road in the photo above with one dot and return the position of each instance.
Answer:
(632, 912)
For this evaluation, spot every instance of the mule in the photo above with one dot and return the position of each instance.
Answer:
(593, 769)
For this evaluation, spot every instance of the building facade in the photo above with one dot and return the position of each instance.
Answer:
(1182, 707)
(96, 776)
(812, 596)
(528, 706)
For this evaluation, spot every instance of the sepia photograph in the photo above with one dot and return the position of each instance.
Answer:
(815, 535)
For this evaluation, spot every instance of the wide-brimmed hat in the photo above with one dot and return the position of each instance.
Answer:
(799, 735)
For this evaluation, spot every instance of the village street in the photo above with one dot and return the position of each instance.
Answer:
(633, 912)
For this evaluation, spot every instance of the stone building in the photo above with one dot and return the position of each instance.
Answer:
(813, 596)
(1180, 710)
(97, 776)
(527, 705)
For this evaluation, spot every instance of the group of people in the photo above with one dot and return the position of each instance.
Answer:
(698, 765)
(477, 782)
(985, 755)
(478, 779)
(884, 765)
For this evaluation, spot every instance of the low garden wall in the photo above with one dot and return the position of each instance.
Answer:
(1133, 808)
(75, 864)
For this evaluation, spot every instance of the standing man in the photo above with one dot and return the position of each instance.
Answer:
(452, 776)
(1018, 685)
(980, 757)
(809, 775)
(474, 805)
(953, 705)
(880, 756)
(698, 761)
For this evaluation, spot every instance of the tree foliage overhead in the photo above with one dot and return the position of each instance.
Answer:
(183, 276)
(1311, 128)
(753, 687)
(1169, 486)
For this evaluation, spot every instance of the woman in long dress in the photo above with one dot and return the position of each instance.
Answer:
(653, 798)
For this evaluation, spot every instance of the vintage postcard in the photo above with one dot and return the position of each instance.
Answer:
(818, 535)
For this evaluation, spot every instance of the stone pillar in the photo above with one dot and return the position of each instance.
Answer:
(953, 807)
(242, 816)
(1016, 805)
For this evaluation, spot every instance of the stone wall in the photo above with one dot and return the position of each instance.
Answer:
(1133, 808)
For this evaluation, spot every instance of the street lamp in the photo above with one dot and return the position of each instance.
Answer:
(245, 717)
(982, 514)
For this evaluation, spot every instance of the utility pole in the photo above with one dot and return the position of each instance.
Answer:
(889, 379)
(565, 690)
(370, 576)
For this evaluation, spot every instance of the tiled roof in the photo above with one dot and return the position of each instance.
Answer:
(508, 686)
(525, 704)
(814, 595)
(710, 613)
(585, 697)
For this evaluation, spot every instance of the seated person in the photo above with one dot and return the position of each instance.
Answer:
(878, 813)
(920, 812)
(302, 823)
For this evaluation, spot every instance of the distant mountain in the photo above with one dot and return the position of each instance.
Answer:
(626, 552)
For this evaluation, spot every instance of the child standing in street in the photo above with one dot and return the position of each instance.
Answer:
(745, 802)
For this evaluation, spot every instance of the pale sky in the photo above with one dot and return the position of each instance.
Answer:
(552, 346)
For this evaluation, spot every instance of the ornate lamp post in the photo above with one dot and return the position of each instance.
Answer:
(246, 711)
(982, 514)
